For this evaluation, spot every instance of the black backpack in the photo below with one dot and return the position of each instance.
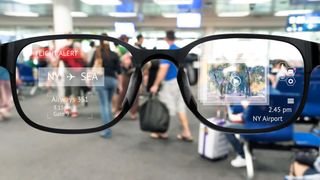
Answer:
(154, 115)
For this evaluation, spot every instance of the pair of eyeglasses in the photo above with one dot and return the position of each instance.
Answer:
(260, 79)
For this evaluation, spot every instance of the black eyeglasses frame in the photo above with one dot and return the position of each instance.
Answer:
(310, 52)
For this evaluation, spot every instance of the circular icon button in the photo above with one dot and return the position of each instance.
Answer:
(282, 75)
(291, 81)
(235, 81)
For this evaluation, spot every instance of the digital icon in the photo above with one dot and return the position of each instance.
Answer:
(235, 81)
(70, 76)
(282, 75)
(290, 101)
(290, 72)
(291, 81)
(283, 72)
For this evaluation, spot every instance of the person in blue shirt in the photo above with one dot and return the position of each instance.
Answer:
(170, 94)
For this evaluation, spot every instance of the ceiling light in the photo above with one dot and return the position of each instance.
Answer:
(297, 11)
(123, 14)
(102, 2)
(21, 14)
(189, 20)
(172, 2)
(234, 14)
(78, 14)
(33, 1)
(249, 1)
(169, 15)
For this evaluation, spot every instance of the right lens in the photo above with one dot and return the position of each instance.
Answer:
(256, 82)
(72, 83)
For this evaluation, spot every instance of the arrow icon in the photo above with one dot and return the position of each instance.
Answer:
(70, 76)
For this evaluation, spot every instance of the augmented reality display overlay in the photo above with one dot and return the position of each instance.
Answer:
(82, 77)
(253, 82)
(72, 83)
(231, 83)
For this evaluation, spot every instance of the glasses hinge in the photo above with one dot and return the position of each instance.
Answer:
(315, 54)
(4, 57)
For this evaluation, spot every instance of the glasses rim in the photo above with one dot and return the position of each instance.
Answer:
(308, 50)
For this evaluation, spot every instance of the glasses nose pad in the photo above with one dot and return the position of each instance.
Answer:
(133, 88)
(184, 86)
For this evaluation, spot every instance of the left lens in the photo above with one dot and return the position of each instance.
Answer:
(254, 83)
(70, 83)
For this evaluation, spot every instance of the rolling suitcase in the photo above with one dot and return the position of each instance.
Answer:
(212, 144)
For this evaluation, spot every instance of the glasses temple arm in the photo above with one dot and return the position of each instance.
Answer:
(315, 55)
(3, 55)
(6, 50)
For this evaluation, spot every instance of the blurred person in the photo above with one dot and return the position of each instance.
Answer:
(118, 98)
(305, 167)
(91, 51)
(240, 160)
(6, 103)
(31, 61)
(111, 64)
(236, 144)
(170, 94)
(139, 42)
(76, 59)
(41, 58)
(150, 71)
(126, 72)
(84, 90)
(120, 49)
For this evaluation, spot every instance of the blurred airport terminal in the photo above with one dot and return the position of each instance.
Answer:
(237, 83)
